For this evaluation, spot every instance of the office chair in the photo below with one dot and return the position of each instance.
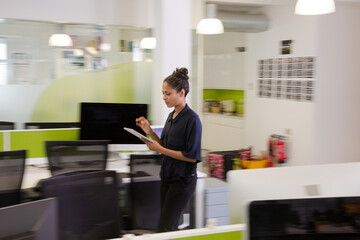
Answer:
(78, 155)
(145, 192)
(12, 164)
(87, 202)
(7, 125)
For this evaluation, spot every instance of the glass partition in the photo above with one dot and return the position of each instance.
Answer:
(42, 83)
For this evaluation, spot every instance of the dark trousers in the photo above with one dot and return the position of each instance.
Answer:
(175, 193)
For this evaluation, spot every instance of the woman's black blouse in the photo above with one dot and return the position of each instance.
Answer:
(181, 134)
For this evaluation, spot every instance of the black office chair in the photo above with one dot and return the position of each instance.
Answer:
(145, 192)
(88, 204)
(78, 155)
(7, 125)
(12, 164)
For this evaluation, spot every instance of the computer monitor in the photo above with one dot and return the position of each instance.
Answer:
(106, 121)
(308, 219)
(49, 125)
(37, 220)
(7, 125)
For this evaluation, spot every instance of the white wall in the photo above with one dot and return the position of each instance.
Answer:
(118, 12)
(173, 48)
(270, 116)
(337, 111)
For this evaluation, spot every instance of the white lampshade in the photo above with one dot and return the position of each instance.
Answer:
(314, 7)
(210, 26)
(60, 40)
(105, 47)
(148, 43)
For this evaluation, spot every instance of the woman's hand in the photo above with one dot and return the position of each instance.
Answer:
(144, 124)
(155, 146)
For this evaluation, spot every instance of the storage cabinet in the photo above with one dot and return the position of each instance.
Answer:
(221, 132)
(217, 201)
(224, 71)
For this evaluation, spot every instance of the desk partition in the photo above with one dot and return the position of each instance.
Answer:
(33, 140)
(1, 141)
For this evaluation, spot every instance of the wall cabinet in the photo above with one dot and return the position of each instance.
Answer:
(224, 71)
(222, 132)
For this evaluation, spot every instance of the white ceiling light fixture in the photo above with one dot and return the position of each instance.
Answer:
(60, 39)
(314, 7)
(210, 24)
(105, 47)
(148, 43)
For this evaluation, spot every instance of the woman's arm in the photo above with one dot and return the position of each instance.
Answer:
(168, 152)
(145, 126)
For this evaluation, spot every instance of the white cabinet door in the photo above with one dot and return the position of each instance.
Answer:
(222, 133)
(224, 71)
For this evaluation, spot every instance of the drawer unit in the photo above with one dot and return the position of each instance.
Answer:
(216, 201)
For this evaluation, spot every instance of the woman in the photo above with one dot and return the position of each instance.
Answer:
(180, 145)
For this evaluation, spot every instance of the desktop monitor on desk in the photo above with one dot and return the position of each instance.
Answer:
(106, 121)
(50, 125)
(37, 220)
(308, 219)
(7, 125)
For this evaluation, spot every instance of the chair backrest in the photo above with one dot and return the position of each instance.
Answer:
(12, 164)
(145, 190)
(7, 125)
(78, 155)
(87, 202)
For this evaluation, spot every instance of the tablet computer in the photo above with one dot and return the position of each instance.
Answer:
(137, 134)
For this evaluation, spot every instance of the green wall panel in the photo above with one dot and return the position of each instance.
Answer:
(223, 94)
(33, 141)
(217, 236)
(60, 101)
(1, 141)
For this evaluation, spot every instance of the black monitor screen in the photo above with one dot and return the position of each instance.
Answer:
(311, 218)
(29, 221)
(105, 121)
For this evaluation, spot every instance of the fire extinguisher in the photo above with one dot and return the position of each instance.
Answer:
(280, 149)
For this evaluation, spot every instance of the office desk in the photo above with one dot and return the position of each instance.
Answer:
(37, 170)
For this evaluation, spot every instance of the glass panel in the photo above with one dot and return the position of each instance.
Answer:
(3, 61)
(42, 83)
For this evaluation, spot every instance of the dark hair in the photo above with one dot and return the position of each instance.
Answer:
(179, 80)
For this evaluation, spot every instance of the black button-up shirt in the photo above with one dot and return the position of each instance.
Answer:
(181, 134)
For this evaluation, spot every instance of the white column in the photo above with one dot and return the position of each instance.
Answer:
(173, 48)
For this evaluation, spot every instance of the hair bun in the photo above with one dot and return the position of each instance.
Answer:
(182, 73)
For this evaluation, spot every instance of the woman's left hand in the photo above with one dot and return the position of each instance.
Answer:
(155, 146)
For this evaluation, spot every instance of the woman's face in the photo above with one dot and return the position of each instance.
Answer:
(170, 96)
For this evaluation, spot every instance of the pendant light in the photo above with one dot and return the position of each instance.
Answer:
(210, 24)
(314, 7)
(148, 43)
(60, 39)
